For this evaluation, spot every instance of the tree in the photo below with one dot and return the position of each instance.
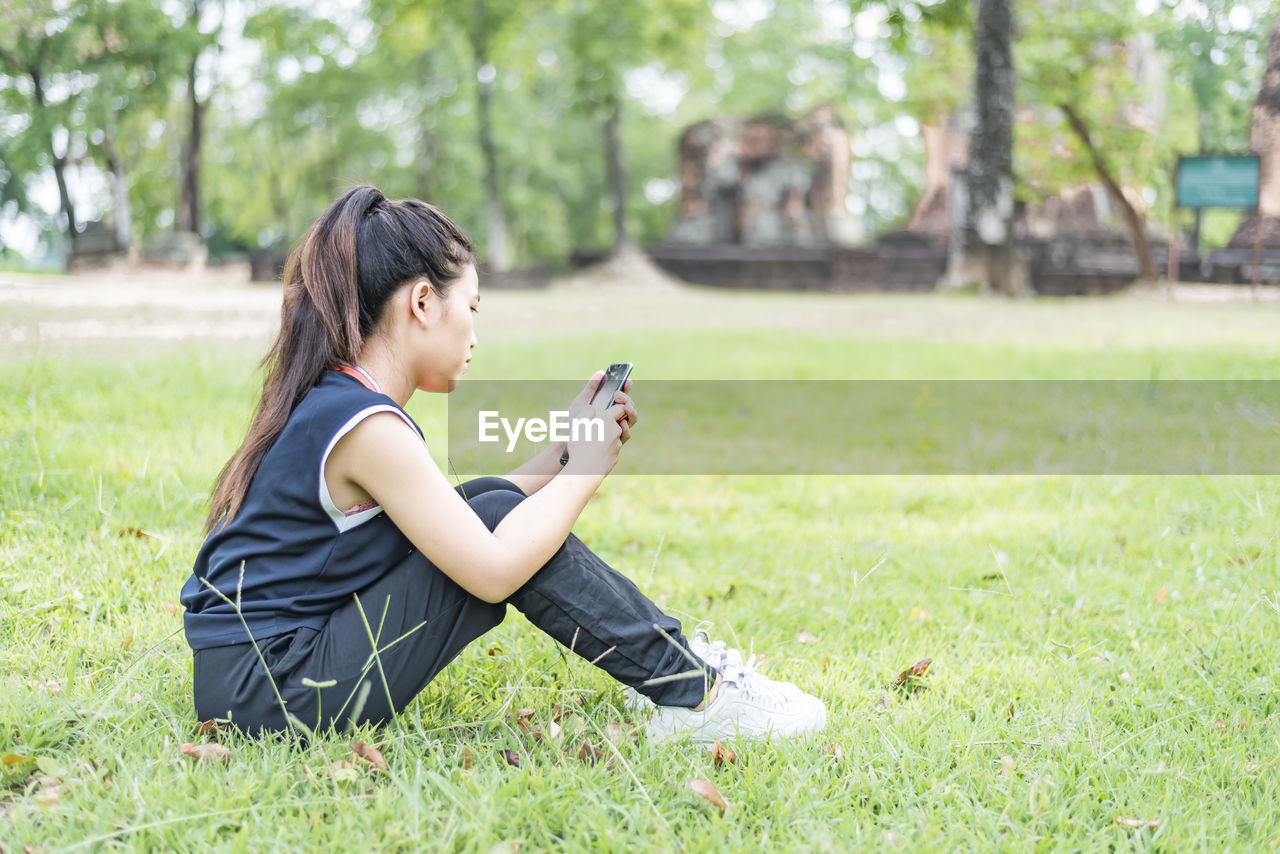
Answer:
(487, 27)
(1210, 52)
(88, 68)
(200, 30)
(318, 119)
(38, 44)
(130, 91)
(604, 42)
(1087, 70)
(982, 253)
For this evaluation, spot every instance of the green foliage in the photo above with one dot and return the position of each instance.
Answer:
(320, 126)
(302, 105)
(1082, 60)
(83, 81)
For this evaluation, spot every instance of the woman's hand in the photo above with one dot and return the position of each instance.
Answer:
(618, 415)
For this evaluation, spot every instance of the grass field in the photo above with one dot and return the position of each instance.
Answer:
(1101, 646)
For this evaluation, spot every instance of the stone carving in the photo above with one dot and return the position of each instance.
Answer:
(765, 182)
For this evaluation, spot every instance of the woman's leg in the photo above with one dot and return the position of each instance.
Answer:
(420, 619)
(599, 614)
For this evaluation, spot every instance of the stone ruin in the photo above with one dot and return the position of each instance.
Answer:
(765, 181)
(763, 206)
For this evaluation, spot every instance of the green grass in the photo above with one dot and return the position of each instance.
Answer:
(1113, 636)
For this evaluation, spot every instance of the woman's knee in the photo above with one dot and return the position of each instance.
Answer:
(480, 485)
(493, 506)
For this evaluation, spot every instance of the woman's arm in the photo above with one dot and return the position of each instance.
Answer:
(540, 468)
(383, 458)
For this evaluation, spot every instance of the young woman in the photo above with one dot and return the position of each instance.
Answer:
(341, 570)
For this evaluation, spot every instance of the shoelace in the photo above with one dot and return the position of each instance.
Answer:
(755, 685)
(717, 654)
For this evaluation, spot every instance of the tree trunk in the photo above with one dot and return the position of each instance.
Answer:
(188, 218)
(617, 182)
(120, 190)
(64, 196)
(1133, 220)
(499, 262)
(59, 163)
(982, 254)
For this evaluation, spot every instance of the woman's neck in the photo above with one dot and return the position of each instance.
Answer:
(378, 361)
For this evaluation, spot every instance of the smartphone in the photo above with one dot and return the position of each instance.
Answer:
(614, 378)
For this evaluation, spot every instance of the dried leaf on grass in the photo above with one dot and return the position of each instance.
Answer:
(589, 753)
(1139, 823)
(574, 724)
(560, 710)
(48, 791)
(209, 727)
(15, 758)
(207, 751)
(524, 719)
(705, 789)
(136, 533)
(370, 753)
(618, 733)
(912, 679)
(1006, 766)
(834, 750)
(721, 755)
(468, 759)
(920, 615)
(513, 758)
(805, 636)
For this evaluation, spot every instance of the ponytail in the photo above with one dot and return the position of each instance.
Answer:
(337, 281)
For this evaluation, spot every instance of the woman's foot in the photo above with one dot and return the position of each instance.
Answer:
(742, 702)
(747, 705)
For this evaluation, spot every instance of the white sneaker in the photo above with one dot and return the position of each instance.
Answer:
(749, 705)
(715, 654)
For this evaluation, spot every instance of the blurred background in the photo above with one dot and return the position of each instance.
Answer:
(791, 143)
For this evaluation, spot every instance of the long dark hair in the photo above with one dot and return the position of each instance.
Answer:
(336, 283)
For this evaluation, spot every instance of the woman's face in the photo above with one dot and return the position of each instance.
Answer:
(450, 334)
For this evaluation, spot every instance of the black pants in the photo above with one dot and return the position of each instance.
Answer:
(380, 650)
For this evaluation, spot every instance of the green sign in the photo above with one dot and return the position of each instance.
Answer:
(1217, 181)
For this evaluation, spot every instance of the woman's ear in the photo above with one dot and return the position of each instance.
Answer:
(422, 302)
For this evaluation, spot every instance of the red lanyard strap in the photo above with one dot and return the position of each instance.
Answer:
(352, 371)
